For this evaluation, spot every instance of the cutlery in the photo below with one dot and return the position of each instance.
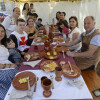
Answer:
(62, 63)
(72, 71)
(63, 54)
(29, 88)
(52, 81)
(55, 46)
(36, 84)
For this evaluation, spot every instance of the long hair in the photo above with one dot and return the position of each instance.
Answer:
(63, 22)
(3, 41)
(24, 7)
(56, 15)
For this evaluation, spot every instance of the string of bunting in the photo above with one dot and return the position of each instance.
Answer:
(42, 1)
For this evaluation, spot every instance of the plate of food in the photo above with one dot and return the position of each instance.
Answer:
(20, 82)
(40, 35)
(31, 56)
(45, 37)
(62, 48)
(38, 40)
(58, 40)
(56, 33)
(48, 65)
(67, 71)
(51, 55)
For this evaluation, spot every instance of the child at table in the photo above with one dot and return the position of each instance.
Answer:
(65, 29)
(14, 55)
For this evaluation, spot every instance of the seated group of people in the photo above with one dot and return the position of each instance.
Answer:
(85, 47)
(14, 43)
(70, 30)
(16, 36)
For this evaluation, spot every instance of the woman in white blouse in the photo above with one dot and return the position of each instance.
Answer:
(10, 21)
(74, 33)
(7, 69)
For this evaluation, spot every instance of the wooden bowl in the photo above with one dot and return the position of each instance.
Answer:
(66, 71)
(23, 86)
(62, 48)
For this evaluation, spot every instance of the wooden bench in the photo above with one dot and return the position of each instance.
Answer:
(92, 81)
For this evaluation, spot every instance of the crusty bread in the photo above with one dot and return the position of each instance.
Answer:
(28, 56)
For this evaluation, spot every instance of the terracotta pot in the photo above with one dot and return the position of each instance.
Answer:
(42, 78)
(35, 48)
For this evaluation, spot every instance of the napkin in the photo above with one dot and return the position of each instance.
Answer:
(21, 95)
(34, 43)
(76, 83)
(32, 63)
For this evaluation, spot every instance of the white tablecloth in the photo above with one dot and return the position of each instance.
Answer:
(61, 89)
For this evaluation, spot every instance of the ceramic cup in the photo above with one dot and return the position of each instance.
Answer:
(35, 48)
(58, 73)
(42, 78)
(47, 87)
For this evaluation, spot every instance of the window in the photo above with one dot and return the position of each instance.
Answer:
(2, 6)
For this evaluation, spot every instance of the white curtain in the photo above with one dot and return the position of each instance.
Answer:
(80, 9)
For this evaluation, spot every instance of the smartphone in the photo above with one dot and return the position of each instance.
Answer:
(96, 92)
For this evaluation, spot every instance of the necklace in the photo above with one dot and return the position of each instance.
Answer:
(31, 30)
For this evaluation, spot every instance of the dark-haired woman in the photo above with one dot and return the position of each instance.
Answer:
(25, 10)
(58, 19)
(7, 69)
(74, 33)
(58, 16)
(10, 21)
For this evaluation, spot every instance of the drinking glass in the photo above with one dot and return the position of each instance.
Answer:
(47, 87)
(58, 73)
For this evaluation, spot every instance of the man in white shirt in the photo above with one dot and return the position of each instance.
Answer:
(90, 50)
